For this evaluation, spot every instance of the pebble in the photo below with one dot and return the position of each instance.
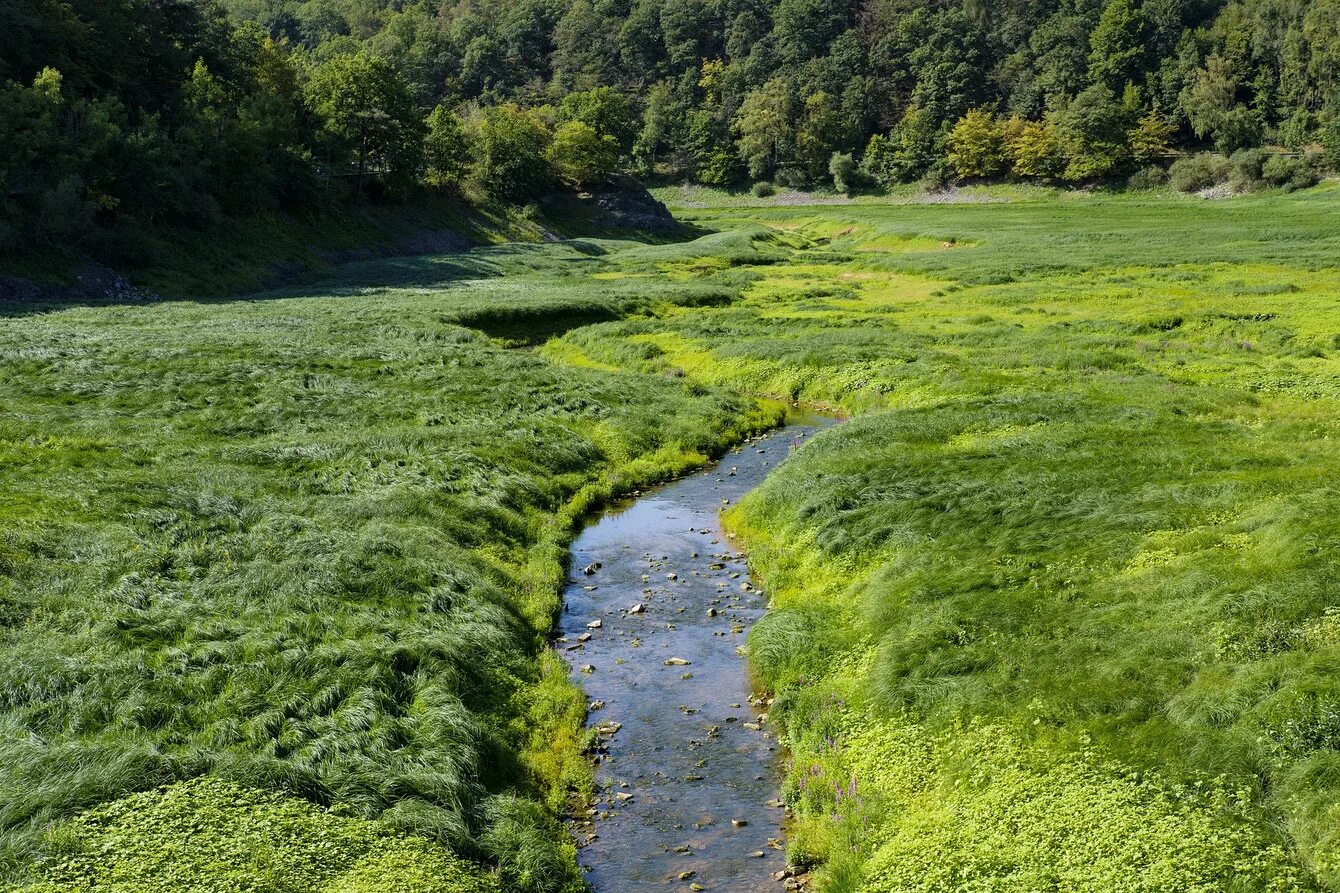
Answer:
(677, 662)
(595, 624)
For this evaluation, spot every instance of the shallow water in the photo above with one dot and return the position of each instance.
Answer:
(688, 779)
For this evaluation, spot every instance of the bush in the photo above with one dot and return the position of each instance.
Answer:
(511, 153)
(718, 166)
(938, 177)
(63, 213)
(844, 170)
(446, 150)
(1193, 173)
(906, 152)
(1033, 149)
(1289, 172)
(1255, 169)
(1151, 177)
(1240, 127)
(763, 189)
(1245, 175)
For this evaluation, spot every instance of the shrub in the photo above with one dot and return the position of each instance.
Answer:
(63, 213)
(1289, 172)
(844, 170)
(1245, 174)
(938, 177)
(446, 149)
(1150, 136)
(1092, 134)
(1296, 130)
(907, 152)
(1193, 173)
(1240, 127)
(605, 110)
(1150, 177)
(763, 189)
(1330, 141)
(718, 166)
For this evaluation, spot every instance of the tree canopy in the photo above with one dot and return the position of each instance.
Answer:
(177, 112)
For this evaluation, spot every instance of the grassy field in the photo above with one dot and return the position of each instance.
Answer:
(1054, 611)
(310, 542)
(1057, 609)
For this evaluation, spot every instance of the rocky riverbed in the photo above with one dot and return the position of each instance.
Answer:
(654, 619)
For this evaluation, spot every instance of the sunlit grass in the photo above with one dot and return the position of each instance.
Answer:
(1085, 509)
(1059, 597)
(312, 542)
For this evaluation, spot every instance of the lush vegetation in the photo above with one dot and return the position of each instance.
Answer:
(310, 542)
(1053, 611)
(120, 117)
(1062, 615)
(218, 837)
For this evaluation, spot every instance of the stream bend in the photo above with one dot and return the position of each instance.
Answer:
(658, 604)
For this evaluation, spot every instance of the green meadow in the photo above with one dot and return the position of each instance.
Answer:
(1055, 609)
(311, 543)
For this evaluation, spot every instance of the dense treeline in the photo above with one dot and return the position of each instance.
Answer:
(164, 112)
(179, 111)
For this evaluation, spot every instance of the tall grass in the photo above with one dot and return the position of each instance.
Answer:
(310, 542)
(1086, 538)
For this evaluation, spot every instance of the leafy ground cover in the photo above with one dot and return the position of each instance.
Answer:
(211, 835)
(310, 542)
(1061, 614)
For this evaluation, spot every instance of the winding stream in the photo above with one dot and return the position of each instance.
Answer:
(659, 603)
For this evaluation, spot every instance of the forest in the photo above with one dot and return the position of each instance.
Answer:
(124, 115)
